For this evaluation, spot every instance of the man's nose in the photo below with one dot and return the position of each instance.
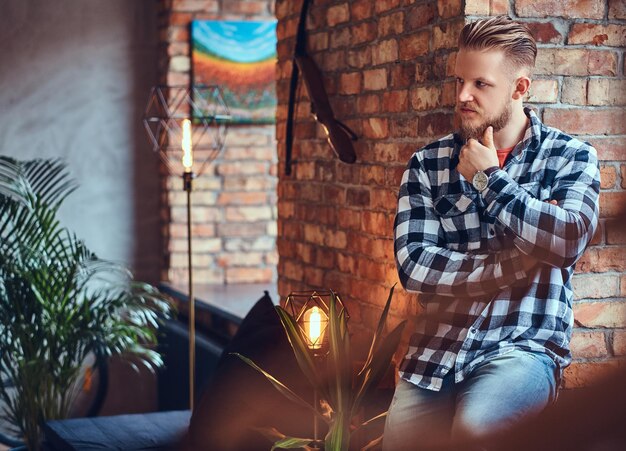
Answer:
(464, 94)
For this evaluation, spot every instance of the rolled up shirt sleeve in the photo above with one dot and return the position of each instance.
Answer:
(424, 263)
(553, 234)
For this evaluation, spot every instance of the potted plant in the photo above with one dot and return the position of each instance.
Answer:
(341, 394)
(59, 302)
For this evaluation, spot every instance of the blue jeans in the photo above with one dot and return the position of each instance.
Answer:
(494, 396)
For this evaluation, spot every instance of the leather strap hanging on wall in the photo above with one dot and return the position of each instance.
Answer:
(340, 137)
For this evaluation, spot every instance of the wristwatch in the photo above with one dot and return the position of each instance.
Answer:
(481, 178)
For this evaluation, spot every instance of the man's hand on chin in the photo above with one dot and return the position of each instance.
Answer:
(476, 157)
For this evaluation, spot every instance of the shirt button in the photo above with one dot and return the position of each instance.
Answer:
(472, 331)
(492, 232)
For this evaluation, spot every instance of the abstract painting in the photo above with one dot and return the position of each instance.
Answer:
(240, 58)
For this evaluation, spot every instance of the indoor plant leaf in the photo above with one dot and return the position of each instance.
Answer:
(282, 388)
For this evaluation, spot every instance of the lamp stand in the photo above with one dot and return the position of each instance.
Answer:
(187, 185)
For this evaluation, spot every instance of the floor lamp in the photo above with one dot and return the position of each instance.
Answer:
(187, 128)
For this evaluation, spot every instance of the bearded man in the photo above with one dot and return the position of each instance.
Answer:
(490, 223)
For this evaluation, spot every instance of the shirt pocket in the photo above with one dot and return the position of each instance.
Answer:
(460, 220)
(536, 190)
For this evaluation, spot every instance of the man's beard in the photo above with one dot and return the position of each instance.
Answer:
(467, 130)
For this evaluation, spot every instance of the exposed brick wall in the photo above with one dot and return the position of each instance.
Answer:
(234, 202)
(388, 68)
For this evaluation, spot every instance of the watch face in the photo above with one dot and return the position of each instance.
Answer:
(480, 180)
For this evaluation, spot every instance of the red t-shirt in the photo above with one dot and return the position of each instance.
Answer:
(503, 153)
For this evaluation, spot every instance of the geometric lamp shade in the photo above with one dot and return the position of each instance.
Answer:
(167, 107)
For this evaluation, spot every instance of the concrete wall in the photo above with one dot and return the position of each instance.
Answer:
(74, 80)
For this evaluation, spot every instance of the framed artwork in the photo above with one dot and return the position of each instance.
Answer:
(239, 57)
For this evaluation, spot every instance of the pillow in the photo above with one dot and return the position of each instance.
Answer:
(239, 398)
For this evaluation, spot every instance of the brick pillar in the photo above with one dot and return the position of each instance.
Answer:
(234, 202)
(387, 66)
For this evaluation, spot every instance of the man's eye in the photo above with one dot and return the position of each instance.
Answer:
(480, 84)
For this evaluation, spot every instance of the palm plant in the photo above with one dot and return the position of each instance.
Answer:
(59, 302)
(342, 395)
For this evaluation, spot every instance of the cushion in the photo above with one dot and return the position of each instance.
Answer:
(149, 431)
(239, 398)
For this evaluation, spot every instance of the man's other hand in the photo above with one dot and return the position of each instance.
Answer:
(476, 157)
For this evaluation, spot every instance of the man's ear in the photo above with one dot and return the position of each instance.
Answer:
(522, 85)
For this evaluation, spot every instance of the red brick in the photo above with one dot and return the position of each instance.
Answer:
(623, 174)
(392, 24)
(385, 52)
(449, 8)
(612, 204)
(608, 176)
(363, 32)
(602, 259)
(609, 148)
(584, 374)
(350, 83)
(384, 198)
(476, 7)
(337, 14)
(314, 276)
(499, 7)
(414, 45)
(435, 124)
(358, 197)
(595, 34)
(340, 37)
(247, 8)
(615, 232)
(619, 342)
(385, 5)
(368, 103)
(425, 98)
(545, 32)
(574, 91)
(586, 121)
(249, 275)
(420, 15)
(195, 5)
(318, 42)
(543, 91)
(377, 223)
(336, 239)
(375, 79)
(573, 9)
(596, 286)
(585, 345)
(359, 58)
(601, 314)
(448, 94)
(606, 91)
(446, 35)
(395, 101)
(617, 9)
(349, 220)
(551, 61)
(402, 75)
(361, 9)
(241, 198)
(405, 126)
(376, 128)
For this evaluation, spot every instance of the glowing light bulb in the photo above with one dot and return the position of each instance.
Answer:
(186, 145)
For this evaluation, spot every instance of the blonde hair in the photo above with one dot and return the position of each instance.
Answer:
(501, 33)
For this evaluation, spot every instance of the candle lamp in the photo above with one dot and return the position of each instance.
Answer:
(310, 309)
(187, 128)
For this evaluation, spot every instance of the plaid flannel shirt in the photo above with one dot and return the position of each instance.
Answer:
(460, 249)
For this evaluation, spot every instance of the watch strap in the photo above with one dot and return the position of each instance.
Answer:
(491, 170)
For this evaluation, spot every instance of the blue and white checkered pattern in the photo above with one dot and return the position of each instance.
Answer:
(460, 249)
